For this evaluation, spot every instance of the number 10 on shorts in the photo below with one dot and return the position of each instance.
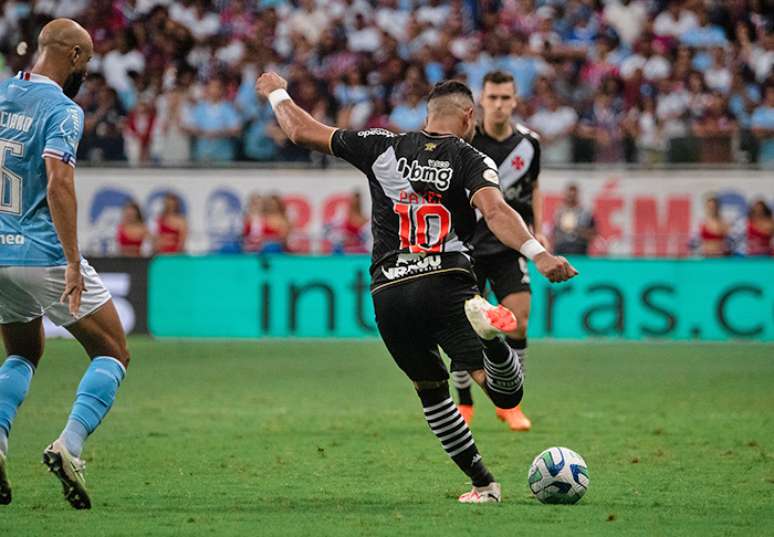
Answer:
(423, 228)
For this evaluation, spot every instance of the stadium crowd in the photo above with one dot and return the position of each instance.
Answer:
(645, 81)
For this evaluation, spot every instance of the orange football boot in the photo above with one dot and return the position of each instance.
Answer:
(467, 413)
(515, 418)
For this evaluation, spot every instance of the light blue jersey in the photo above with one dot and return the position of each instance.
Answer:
(37, 121)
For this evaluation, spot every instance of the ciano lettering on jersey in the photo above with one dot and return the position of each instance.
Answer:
(19, 122)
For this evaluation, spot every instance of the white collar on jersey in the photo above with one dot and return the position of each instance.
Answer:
(34, 77)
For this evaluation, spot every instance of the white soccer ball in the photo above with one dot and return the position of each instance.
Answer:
(558, 475)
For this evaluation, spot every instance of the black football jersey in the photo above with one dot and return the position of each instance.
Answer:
(421, 185)
(518, 162)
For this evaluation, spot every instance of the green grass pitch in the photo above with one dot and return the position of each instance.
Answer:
(327, 438)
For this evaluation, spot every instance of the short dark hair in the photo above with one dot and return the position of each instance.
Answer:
(498, 77)
(450, 87)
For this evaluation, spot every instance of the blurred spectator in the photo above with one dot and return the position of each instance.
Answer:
(574, 226)
(132, 231)
(704, 34)
(627, 17)
(648, 132)
(214, 123)
(699, 96)
(649, 59)
(391, 18)
(672, 108)
(266, 225)
(170, 143)
(555, 124)
(713, 232)
(196, 17)
(523, 65)
(714, 131)
(260, 132)
(171, 227)
(309, 20)
(351, 236)
(602, 63)
(362, 37)
(354, 99)
(252, 230)
(409, 116)
(119, 62)
(103, 126)
(544, 39)
(761, 57)
(140, 124)
(601, 125)
(762, 123)
(683, 63)
(743, 98)
(760, 229)
(675, 21)
(718, 76)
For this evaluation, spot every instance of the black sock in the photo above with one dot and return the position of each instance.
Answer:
(504, 377)
(462, 382)
(497, 350)
(520, 346)
(447, 424)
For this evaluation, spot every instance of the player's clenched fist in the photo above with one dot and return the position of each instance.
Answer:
(555, 268)
(269, 82)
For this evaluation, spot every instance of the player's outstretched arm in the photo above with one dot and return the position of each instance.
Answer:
(64, 213)
(509, 227)
(299, 125)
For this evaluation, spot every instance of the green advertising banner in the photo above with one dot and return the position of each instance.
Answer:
(294, 296)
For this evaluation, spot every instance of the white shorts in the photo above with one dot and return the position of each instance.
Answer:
(27, 293)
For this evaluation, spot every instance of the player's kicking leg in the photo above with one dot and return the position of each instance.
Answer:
(512, 289)
(24, 347)
(102, 337)
(502, 363)
(501, 377)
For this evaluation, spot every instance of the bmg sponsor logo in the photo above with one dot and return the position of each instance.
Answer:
(438, 172)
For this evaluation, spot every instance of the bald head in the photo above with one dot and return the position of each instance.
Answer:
(64, 49)
(63, 35)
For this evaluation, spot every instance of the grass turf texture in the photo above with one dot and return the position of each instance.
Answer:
(327, 438)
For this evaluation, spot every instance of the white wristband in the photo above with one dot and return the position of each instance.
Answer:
(277, 96)
(531, 248)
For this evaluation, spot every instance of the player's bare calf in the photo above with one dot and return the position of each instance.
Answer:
(5, 485)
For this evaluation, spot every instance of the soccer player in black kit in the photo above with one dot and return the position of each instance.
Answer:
(424, 186)
(516, 152)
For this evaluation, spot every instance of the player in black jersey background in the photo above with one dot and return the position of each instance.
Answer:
(423, 187)
(516, 152)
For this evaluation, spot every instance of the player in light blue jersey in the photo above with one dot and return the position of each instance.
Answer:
(41, 268)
